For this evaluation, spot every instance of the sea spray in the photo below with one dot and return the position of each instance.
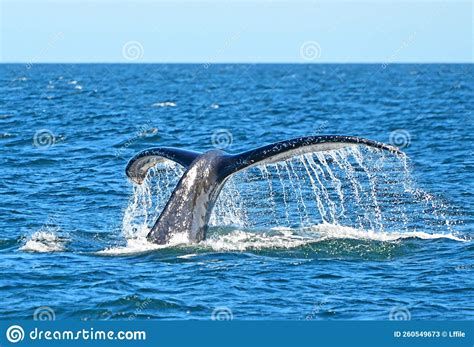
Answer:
(352, 187)
(229, 209)
(149, 199)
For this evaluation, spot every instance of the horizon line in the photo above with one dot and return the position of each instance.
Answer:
(239, 62)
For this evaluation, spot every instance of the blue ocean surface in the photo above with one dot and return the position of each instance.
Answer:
(351, 233)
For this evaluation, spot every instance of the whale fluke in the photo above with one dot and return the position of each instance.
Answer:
(190, 205)
(283, 150)
(139, 165)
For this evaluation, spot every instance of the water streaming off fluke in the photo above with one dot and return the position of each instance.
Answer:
(364, 190)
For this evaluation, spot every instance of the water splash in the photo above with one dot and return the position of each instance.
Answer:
(237, 239)
(359, 188)
(149, 199)
(229, 208)
(44, 242)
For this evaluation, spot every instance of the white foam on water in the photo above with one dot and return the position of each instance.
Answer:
(43, 242)
(141, 245)
(331, 231)
(164, 104)
(287, 238)
(239, 240)
(242, 240)
(188, 256)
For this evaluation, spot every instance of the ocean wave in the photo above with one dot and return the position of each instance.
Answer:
(44, 242)
(332, 231)
(239, 240)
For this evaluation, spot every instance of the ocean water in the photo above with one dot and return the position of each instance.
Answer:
(346, 234)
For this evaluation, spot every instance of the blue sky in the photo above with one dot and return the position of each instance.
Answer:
(236, 31)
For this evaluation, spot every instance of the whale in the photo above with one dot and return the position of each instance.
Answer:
(190, 205)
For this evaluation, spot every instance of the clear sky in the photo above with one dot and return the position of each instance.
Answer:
(236, 31)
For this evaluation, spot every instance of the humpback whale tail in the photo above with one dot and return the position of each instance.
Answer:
(190, 205)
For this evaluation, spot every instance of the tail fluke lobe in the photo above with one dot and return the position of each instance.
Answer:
(139, 165)
(284, 150)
